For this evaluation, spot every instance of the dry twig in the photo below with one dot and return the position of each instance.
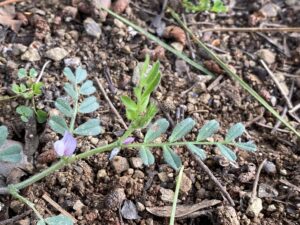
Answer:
(15, 218)
(254, 190)
(110, 104)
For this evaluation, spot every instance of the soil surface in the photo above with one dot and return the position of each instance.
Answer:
(93, 190)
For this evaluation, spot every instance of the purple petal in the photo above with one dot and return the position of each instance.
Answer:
(128, 141)
(59, 147)
(70, 144)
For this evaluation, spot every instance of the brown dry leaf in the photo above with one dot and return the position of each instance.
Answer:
(7, 15)
(120, 6)
(213, 67)
(47, 157)
(175, 33)
(181, 210)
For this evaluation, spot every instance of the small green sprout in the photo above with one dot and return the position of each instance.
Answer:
(216, 6)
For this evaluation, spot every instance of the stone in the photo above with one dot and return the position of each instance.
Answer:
(269, 168)
(78, 206)
(18, 49)
(140, 207)
(178, 46)
(271, 208)
(167, 195)
(186, 184)
(25, 221)
(254, 208)
(94, 141)
(72, 62)
(283, 172)
(136, 162)
(269, 10)
(266, 55)
(101, 173)
(120, 164)
(138, 174)
(163, 176)
(31, 55)
(56, 54)
(205, 98)
(92, 28)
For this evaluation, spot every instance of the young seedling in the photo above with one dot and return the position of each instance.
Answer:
(29, 89)
(139, 111)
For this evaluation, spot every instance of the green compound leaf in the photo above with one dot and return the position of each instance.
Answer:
(24, 111)
(58, 124)
(81, 74)
(208, 130)
(32, 73)
(22, 73)
(150, 113)
(129, 103)
(16, 88)
(3, 134)
(154, 81)
(247, 146)
(11, 154)
(197, 151)
(41, 116)
(227, 152)
(70, 75)
(181, 129)
(218, 7)
(89, 105)
(22, 88)
(146, 156)
(71, 91)
(89, 128)
(87, 88)
(235, 131)
(151, 74)
(57, 220)
(171, 158)
(156, 129)
(64, 107)
(37, 88)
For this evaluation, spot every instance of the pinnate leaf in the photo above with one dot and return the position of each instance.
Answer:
(171, 158)
(81, 74)
(91, 127)
(41, 116)
(128, 102)
(156, 129)
(15, 88)
(24, 111)
(22, 73)
(32, 73)
(57, 220)
(3, 134)
(146, 156)
(64, 107)
(208, 130)
(87, 88)
(181, 129)
(89, 105)
(11, 154)
(71, 91)
(227, 152)
(247, 146)
(58, 124)
(197, 151)
(235, 131)
(70, 75)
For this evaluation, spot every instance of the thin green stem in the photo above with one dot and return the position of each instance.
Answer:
(181, 143)
(178, 184)
(73, 119)
(14, 192)
(10, 97)
(232, 74)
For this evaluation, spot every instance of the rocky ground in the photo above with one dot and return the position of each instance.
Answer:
(68, 33)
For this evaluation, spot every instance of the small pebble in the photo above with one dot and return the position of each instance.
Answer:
(269, 168)
(140, 207)
(92, 28)
(283, 172)
(120, 164)
(31, 55)
(56, 54)
(271, 208)
(136, 162)
(101, 173)
(266, 55)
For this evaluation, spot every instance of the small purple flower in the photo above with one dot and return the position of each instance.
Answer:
(66, 146)
(128, 141)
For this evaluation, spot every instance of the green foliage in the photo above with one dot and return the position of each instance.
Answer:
(156, 129)
(197, 151)
(29, 90)
(216, 6)
(56, 220)
(227, 152)
(89, 104)
(25, 112)
(11, 153)
(181, 129)
(146, 156)
(234, 132)
(208, 130)
(171, 158)
(89, 128)
(141, 111)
